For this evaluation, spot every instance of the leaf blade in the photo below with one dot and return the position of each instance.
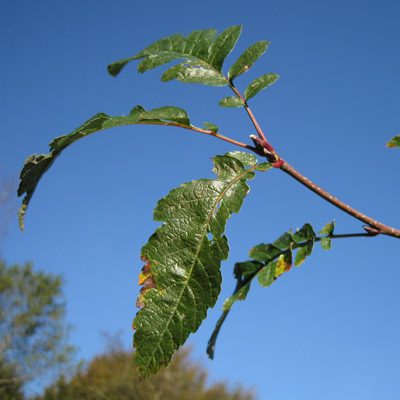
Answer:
(247, 59)
(36, 165)
(223, 45)
(231, 101)
(185, 262)
(259, 84)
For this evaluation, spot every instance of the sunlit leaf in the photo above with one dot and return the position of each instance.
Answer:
(326, 243)
(328, 229)
(231, 101)
(266, 276)
(203, 56)
(36, 165)
(395, 142)
(223, 45)
(269, 262)
(259, 84)
(247, 59)
(183, 261)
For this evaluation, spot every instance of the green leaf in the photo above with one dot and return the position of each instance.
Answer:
(259, 84)
(326, 243)
(36, 165)
(395, 142)
(247, 159)
(266, 276)
(231, 101)
(169, 113)
(247, 59)
(264, 166)
(328, 229)
(182, 277)
(211, 127)
(264, 252)
(203, 56)
(269, 261)
(195, 72)
(223, 45)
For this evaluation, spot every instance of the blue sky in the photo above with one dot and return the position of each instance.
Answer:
(326, 330)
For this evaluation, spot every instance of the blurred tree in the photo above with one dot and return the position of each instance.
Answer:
(33, 333)
(112, 375)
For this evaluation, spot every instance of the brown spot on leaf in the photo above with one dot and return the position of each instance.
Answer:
(146, 279)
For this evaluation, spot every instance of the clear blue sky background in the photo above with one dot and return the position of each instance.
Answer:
(327, 330)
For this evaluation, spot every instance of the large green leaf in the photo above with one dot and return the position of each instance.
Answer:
(259, 84)
(269, 261)
(204, 56)
(247, 59)
(395, 142)
(182, 276)
(36, 166)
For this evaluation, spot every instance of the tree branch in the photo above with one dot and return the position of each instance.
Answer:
(377, 227)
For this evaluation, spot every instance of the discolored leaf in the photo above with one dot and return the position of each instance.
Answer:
(36, 166)
(184, 256)
(259, 84)
(395, 142)
(328, 229)
(231, 101)
(247, 59)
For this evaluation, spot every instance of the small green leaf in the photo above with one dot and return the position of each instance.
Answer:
(231, 101)
(182, 277)
(326, 243)
(259, 84)
(247, 159)
(211, 127)
(266, 276)
(328, 229)
(169, 113)
(304, 234)
(264, 166)
(247, 59)
(223, 45)
(284, 241)
(395, 142)
(195, 72)
(264, 252)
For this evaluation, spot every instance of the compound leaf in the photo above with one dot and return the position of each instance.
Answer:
(247, 59)
(182, 276)
(36, 165)
(259, 84)
(269, 261)
(203, 56)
